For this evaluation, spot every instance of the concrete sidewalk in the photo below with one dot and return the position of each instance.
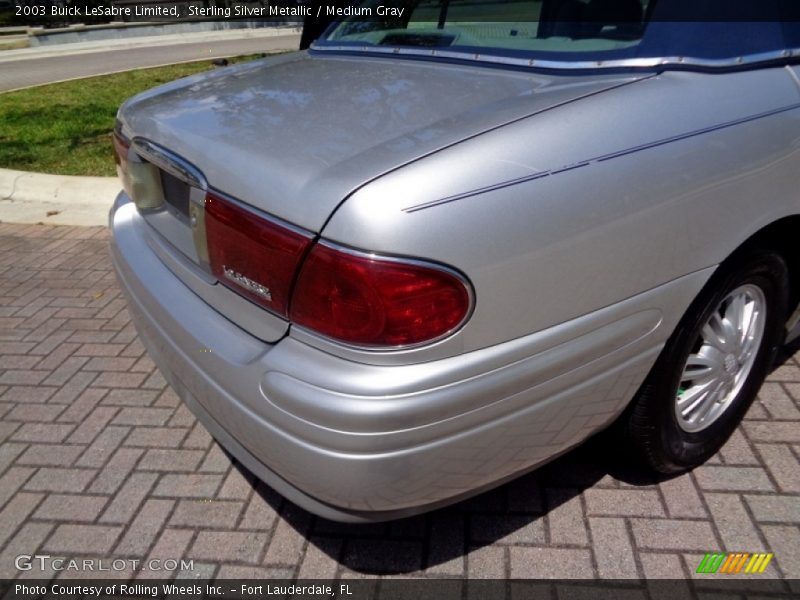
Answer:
(55, 199)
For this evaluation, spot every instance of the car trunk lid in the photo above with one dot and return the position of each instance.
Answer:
(291, 137)
(294, 136)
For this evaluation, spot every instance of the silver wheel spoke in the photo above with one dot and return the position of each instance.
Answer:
(714, 333)
(751, 334)
(700, 368)
(736, 316)
(731, 335)
(709, 404)
(694, 397)
(747, 349)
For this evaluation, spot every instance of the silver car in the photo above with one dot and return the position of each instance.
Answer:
(443, 247)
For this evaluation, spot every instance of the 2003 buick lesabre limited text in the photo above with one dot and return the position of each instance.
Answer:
(434, 252)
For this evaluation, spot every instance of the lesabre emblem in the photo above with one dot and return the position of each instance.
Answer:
(247, 283)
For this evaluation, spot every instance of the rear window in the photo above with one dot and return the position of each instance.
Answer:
(571, 30)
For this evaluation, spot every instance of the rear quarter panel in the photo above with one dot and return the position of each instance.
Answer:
(592, 202)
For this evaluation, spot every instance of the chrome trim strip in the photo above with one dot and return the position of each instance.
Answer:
(596, 159)
(395, 259)
(641, 63)
(170, 162)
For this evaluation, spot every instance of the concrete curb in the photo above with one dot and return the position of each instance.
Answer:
(55, 199)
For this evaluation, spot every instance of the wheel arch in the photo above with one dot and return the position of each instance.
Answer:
(782, 236)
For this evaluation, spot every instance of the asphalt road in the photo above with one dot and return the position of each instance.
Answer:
(36, 71)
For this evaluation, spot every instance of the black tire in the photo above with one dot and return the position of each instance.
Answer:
(651, 422)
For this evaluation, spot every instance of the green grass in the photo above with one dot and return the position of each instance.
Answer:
(65, 128)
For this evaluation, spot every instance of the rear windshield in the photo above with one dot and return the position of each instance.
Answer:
(571, 30)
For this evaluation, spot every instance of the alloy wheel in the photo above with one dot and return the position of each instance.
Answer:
(722, 358)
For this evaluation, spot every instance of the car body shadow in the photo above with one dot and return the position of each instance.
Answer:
(440, 541)
(546, 506)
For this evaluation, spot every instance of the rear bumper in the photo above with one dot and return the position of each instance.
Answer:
(357, 442)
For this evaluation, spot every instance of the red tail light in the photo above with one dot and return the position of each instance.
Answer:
(253, 256)
(364, 300)
(351, 297)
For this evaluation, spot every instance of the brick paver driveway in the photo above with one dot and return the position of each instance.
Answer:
(99, 459)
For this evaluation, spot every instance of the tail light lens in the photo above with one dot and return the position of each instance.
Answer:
(369, 301)
(351, 297)
(255, 257)
(140, 180)
(121, 147)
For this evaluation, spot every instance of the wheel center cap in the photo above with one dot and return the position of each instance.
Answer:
(731, 364)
